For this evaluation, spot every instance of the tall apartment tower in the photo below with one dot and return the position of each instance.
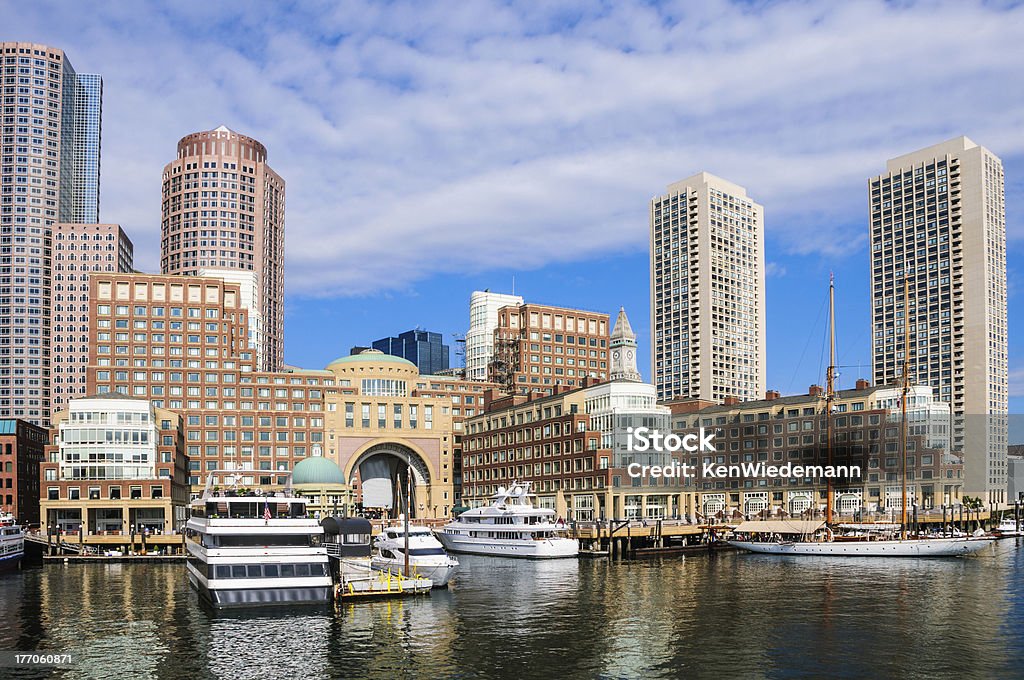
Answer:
(78, 251)
(85, 192)
(707, 291)
(43, 167)
(223, 209)
(483, 320)
(938, 228)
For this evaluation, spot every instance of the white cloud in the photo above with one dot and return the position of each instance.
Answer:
(416, 139)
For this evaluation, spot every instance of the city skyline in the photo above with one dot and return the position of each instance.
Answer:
(573, 273)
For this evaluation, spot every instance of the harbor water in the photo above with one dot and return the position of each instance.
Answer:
(721, 615)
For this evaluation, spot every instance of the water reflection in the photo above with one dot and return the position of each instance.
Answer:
(723, 614)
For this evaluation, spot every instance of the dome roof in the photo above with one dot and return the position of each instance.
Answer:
(317, 470)
(371, 355)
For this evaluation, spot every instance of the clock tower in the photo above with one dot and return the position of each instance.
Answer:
(623, 351)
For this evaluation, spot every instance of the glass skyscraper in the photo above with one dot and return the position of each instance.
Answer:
(88, 125)
(39, 180)
(423, 348)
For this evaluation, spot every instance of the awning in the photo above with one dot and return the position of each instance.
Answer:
(780, 526)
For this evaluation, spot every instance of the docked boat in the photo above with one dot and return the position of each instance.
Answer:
(1009, 527)
(427, 556)
(815, 537)
(12, 543)
(509, 527)
(248, 548)
(803, 537)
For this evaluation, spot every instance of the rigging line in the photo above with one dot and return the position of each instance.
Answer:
(807, 343)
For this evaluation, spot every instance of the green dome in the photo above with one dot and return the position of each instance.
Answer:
(317, 470)
(371, 355)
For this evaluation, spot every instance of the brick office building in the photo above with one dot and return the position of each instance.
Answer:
(21, 452)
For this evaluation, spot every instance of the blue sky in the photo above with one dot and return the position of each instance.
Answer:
(433, 149)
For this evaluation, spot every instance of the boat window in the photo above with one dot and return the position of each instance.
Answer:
(223, 572)
(270, 571)
(254, 571)
(287, 570)
(302, 570)
(357, 539)
(238, 571)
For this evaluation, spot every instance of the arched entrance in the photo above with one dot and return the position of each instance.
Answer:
(383, 471)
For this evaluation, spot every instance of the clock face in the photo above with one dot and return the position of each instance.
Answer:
(615, 354)
(629, 354)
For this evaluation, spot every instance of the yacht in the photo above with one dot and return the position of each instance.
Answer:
(427, 557)
(509, 527)
(249, 548)
(1009, 527)
(804, 537)
(12, 543)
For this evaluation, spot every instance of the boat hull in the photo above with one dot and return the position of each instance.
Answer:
(226, 598)
(550, 548)
(11, 562)
(937, 547)
(439, 574)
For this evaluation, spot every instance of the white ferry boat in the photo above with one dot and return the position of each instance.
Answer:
(247, 548)
(509, 527)
(427, 557)
(12, 543)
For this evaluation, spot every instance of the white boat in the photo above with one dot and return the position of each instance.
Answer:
(509, 527)
(246, 548)
(1009, 527)
(803, 537)
(12, 543)
(427, 557)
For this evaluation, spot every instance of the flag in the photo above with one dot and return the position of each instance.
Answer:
(266, 510)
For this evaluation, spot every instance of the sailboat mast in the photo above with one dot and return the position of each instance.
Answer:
(903, 403)
(830, 391)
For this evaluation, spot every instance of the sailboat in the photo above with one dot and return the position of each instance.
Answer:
(803, 537)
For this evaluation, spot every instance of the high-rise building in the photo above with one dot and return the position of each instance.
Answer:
(483, 319)
(42, 169)
(78, 250)
(537, 347)
(85, 192)
(423, 348)
(707, 291)
(187, 350)
(223, 208)
(938, 229)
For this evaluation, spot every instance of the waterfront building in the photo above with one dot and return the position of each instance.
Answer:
(707, 291)
(1015, 474)
(866, 424)
(78, 250)
(423, 348)
(21, 452)
(183, 343)
(537, 347)
(571, 446)
(379, 429)
(223, 208)
(938, 228)
(483, 320)
(50, 176)
(115, 466)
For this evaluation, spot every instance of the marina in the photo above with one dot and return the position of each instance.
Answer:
(723, 614)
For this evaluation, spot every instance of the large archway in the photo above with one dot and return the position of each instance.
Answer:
(383, 471)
